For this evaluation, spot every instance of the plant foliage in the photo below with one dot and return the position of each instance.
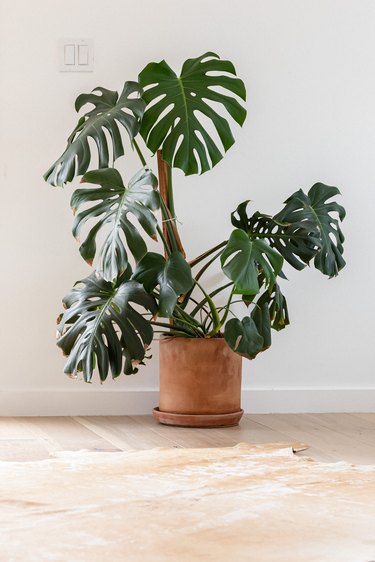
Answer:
(243, 258)
(175, 104)
(100, 326)
(110, 317)
(243, 337)
(110, 206)
(173, 277)
(110, 111)
(313, 210)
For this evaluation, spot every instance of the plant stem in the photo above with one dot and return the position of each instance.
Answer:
(214, 312)
(187, 317)
(194, 262)
(167, 227)
(197, 331)
(187, 296)
(170, 193)
(200, 306)
(225, 315)
(170, 328)
(167, 205)
(207, 265)
(141, 157)
(214, 293)
(165, 243)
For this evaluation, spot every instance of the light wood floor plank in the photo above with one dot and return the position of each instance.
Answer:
(282, 422)
(15, 428)
(370, 417)
(65, 433)
(249, 431)
(326, 443)
(331, 437)
(124, 432)
(351, 427)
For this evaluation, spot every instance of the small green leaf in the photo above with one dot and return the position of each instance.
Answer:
(262, 320)
(277, 305)
(243, 337)
(173, 276)
(243, 259)
(239, 217)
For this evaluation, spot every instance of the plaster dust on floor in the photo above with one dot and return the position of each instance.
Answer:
(260, 503)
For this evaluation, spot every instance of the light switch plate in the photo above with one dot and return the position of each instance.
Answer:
(76, 55)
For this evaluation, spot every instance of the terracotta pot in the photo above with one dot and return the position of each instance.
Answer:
(200, 383)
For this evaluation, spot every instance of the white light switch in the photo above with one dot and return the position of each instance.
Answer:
(69, 55)
(83, 55)
(76, 55)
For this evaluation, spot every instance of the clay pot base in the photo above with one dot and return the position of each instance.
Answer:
(198, 420)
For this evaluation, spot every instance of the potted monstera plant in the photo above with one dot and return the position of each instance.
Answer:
(136, 289)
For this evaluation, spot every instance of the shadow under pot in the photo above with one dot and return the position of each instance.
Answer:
(200, 383)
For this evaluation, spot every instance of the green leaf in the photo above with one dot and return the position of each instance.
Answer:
(243, 259)
(110, 207)
(243, 337)
(262, 320)
(172, 120)
(277, 306)
(109, 112)
(240, 218)
(297, 242)
(173, 276)
(314, 211)
(101, 327)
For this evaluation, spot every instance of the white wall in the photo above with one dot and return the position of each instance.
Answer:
(309, 70)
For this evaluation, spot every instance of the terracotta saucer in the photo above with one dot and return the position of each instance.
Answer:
(198, 420)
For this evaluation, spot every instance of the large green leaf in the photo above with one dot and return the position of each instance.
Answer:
(101, 327)
(109, 111)
(243, 337)
(172, 119)
(313, 209)
(110, 207)
(298, 242)
(243, 259)
(173, 276)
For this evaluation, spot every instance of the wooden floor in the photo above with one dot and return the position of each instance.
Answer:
(330, 437)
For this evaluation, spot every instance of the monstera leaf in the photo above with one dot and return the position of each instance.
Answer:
(173, 276)
(100, 327)
(277, 306)
(173, 122)
(116, 203)
(261, 317)
(243, 337)
(243, 259)
(298, 242)
(109, 111)
(313, 209)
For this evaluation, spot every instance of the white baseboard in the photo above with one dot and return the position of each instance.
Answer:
(310, 400)
(86, 402)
